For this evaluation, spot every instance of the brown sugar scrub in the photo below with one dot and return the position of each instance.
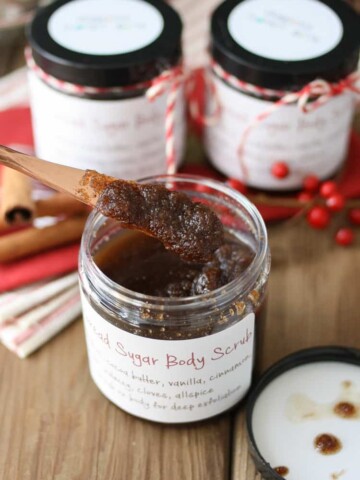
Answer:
(173, 340)
(282, 471)
(142, 264)
(327, 444)
(346, 410)
(189, 229)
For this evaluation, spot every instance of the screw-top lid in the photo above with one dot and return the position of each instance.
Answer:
(303, 416)
(284, 44)
(106, 44)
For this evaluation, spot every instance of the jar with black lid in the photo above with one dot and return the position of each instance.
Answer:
(283, 79)
(105, 77)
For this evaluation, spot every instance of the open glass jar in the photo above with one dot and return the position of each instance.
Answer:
(176, 360)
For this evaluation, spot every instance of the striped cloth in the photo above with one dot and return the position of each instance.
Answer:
(32, 315)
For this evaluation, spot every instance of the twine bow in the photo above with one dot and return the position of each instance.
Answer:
(318, 92)
(169, 81)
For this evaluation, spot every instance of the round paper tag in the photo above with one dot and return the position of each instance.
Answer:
(109, 27)
(285, 30)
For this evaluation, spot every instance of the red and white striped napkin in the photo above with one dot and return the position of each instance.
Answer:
(32, 313)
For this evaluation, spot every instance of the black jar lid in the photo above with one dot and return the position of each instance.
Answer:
(283, 44)
(306, 409)
(106, 43)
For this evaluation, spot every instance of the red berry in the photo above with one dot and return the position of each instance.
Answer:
(327, 189)
(335, 202)
(311, 183)
(344, 236)
(354, 216)
(305, 197)
(236, 185)
(280, 170)
(318, 217)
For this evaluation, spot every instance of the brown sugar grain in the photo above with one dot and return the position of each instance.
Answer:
(282, 470)
(327, 444)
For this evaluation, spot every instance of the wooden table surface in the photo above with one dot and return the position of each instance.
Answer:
(56, 425)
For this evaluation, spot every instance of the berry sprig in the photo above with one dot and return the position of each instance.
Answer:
(319, 216)
(318, 202)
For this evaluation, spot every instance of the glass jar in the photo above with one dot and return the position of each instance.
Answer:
(176, 360)
(91, 68)
(282, 77)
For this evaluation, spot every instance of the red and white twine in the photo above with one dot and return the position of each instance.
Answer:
(310, 97)
(195, 109)
(167, 82)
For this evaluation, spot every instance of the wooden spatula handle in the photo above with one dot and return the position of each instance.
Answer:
(59, 177)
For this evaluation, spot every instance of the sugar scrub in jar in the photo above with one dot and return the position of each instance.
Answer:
(170, 340)
(282, 88)
(106, 85)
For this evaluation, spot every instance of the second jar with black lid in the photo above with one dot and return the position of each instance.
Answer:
(283, 83)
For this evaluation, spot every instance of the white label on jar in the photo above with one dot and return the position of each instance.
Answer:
(170, 381)
(106, 27)
(314, 142)
(124, 138)
(289, 30)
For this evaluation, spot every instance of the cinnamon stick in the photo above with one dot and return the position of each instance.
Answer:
(59, 204)
(17, 205)
(35, 240)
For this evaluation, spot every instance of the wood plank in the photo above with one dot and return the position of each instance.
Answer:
(57, 425)
(313, 300)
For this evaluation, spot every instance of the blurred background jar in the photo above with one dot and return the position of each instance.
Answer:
(105, 85)
(267, 58)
